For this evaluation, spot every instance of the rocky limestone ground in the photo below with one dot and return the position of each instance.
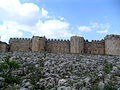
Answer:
(57, 71)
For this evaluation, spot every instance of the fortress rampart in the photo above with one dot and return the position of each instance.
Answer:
(109, 45)
(95, 47)
(57, 45)
(19, 44)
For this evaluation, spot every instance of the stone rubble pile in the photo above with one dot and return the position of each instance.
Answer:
(56, 71)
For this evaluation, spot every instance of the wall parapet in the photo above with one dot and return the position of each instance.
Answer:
(13, 40)
(112, 36)
(57, 40)
(76, 44)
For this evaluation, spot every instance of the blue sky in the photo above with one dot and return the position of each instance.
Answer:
(92, 19)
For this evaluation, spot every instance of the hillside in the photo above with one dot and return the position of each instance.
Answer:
(56, 71)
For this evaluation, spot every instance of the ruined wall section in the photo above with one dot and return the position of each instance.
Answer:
(95, 47)
(20, 44)
(77, 44)
(62, 46)
(112, 44)
(3, 47)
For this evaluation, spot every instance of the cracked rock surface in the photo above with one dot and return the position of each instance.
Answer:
(57, 71)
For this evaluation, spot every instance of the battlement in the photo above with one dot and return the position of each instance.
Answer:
(94, 41)
(13, 40)
(77, 44)
(57, 40)
(112, 36)
(97, 41)
(20, 38)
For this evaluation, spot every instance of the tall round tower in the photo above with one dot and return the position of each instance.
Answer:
(77, 44)
(112, 44)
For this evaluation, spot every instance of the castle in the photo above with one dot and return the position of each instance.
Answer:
(109, 45)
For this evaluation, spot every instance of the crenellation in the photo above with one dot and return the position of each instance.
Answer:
(52, 40)
(19, 39)
(57, 40)
(109, 45)
(20, 44)
(86, 40)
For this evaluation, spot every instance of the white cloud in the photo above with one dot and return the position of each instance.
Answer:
(13, 10)
(102, 31)
(45, 13)
(94, 26)
(17, 17)
(100, 25)
(84, 28)
(61, 18)
(105, 28)
(7, 30)
(53, 28)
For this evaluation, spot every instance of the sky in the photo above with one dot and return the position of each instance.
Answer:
(60, 19)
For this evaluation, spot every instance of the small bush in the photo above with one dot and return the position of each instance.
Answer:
(7, 67)
(50, 86)
(3, 66)
(109, 87)
(12, 79)
(108, 68)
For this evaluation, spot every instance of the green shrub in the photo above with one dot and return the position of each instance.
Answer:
(7, 64)
(7, 67)
(108, 68)
(50, 86)
(3, 66)
(12, 79)
(109, 87)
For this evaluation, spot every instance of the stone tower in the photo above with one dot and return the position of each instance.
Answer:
(38, 43)
(77, 44)
(112, 44)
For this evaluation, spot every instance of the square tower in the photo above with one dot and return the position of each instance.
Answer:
(38, 43)
(77, 44)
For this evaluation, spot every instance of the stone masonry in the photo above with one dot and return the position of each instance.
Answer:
(109, 45)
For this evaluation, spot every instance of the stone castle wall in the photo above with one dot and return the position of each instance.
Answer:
(95, 47)
(62, 46)
(3, 47)
(110, 45)
(20, 44)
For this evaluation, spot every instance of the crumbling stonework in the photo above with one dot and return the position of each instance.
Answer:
(3, 47)
(110, 45)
